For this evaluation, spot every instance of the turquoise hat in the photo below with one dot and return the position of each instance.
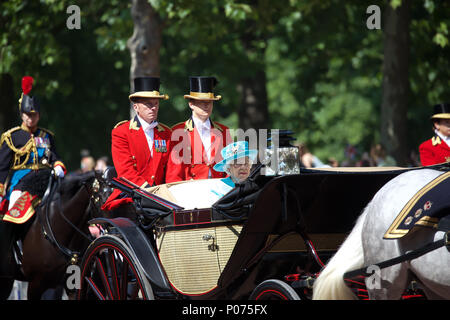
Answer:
(235, 151)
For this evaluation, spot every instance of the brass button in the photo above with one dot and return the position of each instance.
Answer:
(153, 177)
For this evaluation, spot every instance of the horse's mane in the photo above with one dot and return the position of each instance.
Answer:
(72, 183)
(37, 182)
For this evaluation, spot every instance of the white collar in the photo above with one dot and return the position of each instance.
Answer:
(147, 126)
(445, 138)
(199, 124)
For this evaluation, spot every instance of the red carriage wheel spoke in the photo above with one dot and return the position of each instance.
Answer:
(94, 288)
(110, 272)
(103, 277)
(113, 270)
(124, 282)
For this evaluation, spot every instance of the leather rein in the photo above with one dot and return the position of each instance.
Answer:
(44, 218)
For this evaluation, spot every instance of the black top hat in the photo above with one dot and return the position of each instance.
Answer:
(28, 103)
(441, 111)
(201, 88)
(147, 87)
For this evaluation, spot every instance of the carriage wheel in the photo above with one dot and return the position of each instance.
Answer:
(274, 289)
(110, 271)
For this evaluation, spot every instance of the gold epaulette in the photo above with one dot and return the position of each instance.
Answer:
(134, 124)
(162, 127)
(189, 125)
(121, 122)
(435, 141)
(7, 135)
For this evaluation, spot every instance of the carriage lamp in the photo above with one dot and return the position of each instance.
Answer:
(281, 157)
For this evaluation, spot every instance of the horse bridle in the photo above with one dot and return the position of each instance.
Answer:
(46, 228)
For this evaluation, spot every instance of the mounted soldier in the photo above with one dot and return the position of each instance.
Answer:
(198, 140)
(25, 151)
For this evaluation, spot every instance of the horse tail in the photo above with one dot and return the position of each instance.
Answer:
(330, 284)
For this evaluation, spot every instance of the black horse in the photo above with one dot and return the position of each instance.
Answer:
(56, 235)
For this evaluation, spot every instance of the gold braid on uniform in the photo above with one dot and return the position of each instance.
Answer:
(26, 150)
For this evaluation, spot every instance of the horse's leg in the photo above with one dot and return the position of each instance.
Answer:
(388, 283)
(6, 285)
(391, 282)
(36, 288)
(39, 261)
(432, 269)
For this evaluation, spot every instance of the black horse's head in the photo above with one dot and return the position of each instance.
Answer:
(100, 189)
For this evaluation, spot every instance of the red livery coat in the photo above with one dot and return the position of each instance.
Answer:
(188, 160)
(434, 151)
(133, 160)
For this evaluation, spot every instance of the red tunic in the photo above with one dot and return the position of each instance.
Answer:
(188, 160)
(133, 160)
(434, 151)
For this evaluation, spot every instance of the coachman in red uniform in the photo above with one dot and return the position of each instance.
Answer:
(437, 149)
(197, 142)
(140, 147)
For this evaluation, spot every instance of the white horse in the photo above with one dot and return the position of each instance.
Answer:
(365, 246)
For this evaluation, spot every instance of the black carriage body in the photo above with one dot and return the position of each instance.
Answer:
(322, 205)
(270, 241)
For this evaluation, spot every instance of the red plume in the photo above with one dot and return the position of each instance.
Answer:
(27, 84)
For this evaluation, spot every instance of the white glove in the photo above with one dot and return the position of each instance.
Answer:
(1, 199)
(59, 172)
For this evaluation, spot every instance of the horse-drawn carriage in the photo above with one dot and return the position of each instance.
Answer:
(268, 238)
(265, 239)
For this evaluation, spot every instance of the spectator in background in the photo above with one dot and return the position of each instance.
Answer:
(350, 156)
(308, 159)
(366, 161)
(413, 160)
(380, 158)
(333, 162)
(102, 163)
(87, 164)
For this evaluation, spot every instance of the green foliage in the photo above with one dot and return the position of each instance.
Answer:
(323, 66)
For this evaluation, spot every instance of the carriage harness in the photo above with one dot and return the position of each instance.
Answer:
(53, 187)
(444, 225)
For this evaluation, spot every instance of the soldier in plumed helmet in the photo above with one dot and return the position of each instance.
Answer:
(24, 151)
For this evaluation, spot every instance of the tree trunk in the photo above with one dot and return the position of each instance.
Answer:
(395, 81)
(253, 111)
(145, 43)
